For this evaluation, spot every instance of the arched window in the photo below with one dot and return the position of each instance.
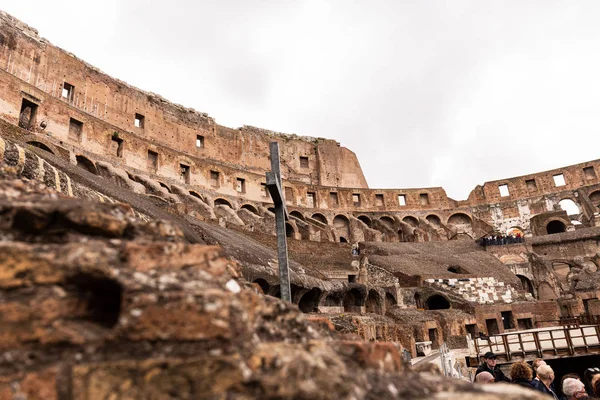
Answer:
(437, 302)
(555, 227)
(222, 202)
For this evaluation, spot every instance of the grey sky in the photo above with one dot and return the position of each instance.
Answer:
(427, 93)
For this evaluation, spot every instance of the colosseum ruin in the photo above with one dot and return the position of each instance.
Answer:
(128, 222)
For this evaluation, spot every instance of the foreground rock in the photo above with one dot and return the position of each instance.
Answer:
(97, 304)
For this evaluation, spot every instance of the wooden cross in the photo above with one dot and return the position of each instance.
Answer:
(281, 215)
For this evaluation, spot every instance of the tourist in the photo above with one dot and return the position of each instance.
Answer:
(489, 365)
(484, 377)
(562, 381)
(538, 362)
(521, 374)
(573, 389)
(545, 379)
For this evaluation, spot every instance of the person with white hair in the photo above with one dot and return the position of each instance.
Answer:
(546, 377)
(574, 389)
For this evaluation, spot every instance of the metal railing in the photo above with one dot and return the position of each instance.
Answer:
(545, 343)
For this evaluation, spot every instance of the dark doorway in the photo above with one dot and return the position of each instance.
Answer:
(526, 283)
(492, 326)
(27, 114)
(525, 323)
(310, 301)
(471, 330)
(433, 337)
(507, 320)
(555, 227)
(437, 302)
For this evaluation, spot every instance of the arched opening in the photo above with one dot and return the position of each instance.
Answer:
(98, 298)
(342, 227)
(352, 300)
(514, 231)
(569, 206)
(412, 221)
(390, 301)
(297, 214)
(197, 195)
(526, 283)
(223, 202)
(373, 303)
(387, 221)
(310, 301)
(434, 220)
(264, 285)
(165, 186)
(437, 302)
(459, 219)
(555, 227)
(250, 208)
(40, 145)
(595, 198)
(545, 292)
(320, 217)
(343, 239)
(289, 231)
(365, 219)
(271, 209)
(87, 164)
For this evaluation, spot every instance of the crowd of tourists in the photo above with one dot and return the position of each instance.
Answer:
(540, 376)
(499, 239)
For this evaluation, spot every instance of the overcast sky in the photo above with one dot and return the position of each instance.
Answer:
(426, 93)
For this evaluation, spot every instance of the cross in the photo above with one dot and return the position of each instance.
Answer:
(281, 215)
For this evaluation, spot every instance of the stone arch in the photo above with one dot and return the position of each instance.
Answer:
(545, 292)
(459, 219)
(290, 231)
(250, 208)
(197, 195)
(341, 225)
(352, 299)
(297, 214)
(87, 164)
(595, 198)
(40, 145)
(387, 221)
(222, 202)
(374, 303)
(310, 301)
(264, 285)
(366, 220)
(165, 186)
(320, 217)
(271, 210)
(434, 220)
(437, 302)
(514, 230)
(526, 283)
(390, 301)
(570, 206)
(410, 220)
(555, 226)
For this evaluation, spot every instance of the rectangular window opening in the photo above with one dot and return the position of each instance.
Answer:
(559, 180)
(356, 199)
(310, 199)
(531, 185)
(200, 141)
(424, 198)
(75, 129)
(333, 197)
(27, 114)
(589, 173)
(303, 162)
(117, 146)
(240, 185)
(68, 91)
(379, 200)
(184, 172)
(152, 161)
(503, 190)
(402, 199)
(139, 121)
(214, 179)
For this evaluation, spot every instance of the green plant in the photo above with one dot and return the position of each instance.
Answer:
(115, 134)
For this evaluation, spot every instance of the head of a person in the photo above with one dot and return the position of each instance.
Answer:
(545, 373)
(567, 376)
(573, 388)
(537, 363)
(490, 359)
(521, 371)
(484, 377)
(596, 385)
